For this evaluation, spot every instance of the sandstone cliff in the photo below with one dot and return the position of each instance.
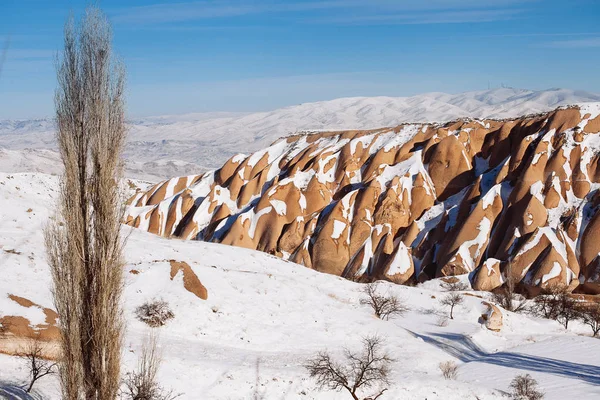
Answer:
(415, 201)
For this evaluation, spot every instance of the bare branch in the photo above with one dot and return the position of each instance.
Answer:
(83, 243)
(384, 305)
(143, 383)
(359, 371)
(452, 300)
(37, 365)
(524, 387)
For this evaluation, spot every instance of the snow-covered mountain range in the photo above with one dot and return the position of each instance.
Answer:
(164, 146)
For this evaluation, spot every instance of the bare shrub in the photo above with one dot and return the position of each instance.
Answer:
(452, 300)
(37, 365)
(142, 384)
(442, 321)
(357, 372)
(384, 305)
(83, 243)
(4, 327)
(509, 300)
(589, 314)
(453, 284)
(524, 387)
(506, 296)
(154, 313)
(449, 369)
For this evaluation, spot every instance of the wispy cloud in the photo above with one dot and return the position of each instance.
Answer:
(542, 34)
(442, 17)
(592, 42)
(332, 11)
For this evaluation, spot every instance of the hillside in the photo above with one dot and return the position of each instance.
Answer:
(166, 146)
(408, 203)
(263, 317)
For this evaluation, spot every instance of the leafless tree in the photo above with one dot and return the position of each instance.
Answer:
(367, 369)
(506, 296)
(37, 365)
(589, 314)
(83, 240)
(452, 300)
(384, 305)
(568, 309)
(143, 384)
(524, 387)
(545, 306)
(556, 303)
(154, 313)
(449, 369)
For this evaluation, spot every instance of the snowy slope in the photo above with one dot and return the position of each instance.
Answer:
(206, 140)
(264, 317)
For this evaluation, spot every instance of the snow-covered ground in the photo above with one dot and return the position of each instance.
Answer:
(166, 146)
(264, 317)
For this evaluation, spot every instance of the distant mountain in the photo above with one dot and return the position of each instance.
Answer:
(205, 140)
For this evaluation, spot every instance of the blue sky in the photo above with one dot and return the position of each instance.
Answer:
(251, 55)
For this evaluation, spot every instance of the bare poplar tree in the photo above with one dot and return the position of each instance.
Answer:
(83, 240)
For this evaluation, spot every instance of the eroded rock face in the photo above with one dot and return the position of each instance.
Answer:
(412, 202)
(492, 317)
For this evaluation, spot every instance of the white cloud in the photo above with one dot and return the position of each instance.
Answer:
(575, 43)
(366, 10)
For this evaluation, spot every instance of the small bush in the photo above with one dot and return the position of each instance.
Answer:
(442, 321)
(143, 384)
(507, 298)
(453, 284)
(384, 306)
(155, 313)
(524, 387)
(449, 369)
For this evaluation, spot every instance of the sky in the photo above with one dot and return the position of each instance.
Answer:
(256, 55)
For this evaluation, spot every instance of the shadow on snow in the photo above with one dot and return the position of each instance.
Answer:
(463, 348)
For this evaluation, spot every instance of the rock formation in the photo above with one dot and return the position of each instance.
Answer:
(412, 202)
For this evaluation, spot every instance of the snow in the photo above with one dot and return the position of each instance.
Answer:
(338, 229)
(554, 272)
(172, 145)
(279, 206)
(254, 217)
(488, 199)
(468, 256)
(265, 317)
(401, 262)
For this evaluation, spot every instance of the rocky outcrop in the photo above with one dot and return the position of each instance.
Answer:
(412, 202)
(191, 283)
(492, 317)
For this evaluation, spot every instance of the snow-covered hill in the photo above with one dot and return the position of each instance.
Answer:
(264, 317)
(175, 145)
(408, 203)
